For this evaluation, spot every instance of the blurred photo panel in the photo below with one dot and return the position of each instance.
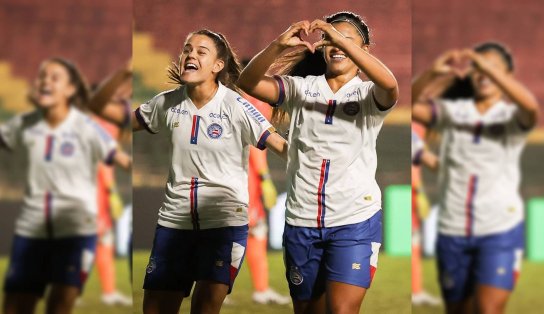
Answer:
(65, 156)
(477, 141)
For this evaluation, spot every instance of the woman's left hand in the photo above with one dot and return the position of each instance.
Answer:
(331, 37)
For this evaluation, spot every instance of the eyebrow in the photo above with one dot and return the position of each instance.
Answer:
(189, 45)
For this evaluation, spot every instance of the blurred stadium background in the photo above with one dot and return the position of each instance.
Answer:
(160, 29)
(439, 26)
(97, 36)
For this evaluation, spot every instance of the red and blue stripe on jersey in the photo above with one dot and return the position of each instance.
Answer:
(321, 196)
(193, 196)
(330, 111)
(469, 205)
(49, 144)
(194, 129)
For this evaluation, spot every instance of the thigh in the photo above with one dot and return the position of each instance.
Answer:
(499, 259)
(208, 296)
(71, 260)
(162, 301)
(303, 253)
(455, 260)
(351, 254)
(220, 253)
(28, 267)
(172, 264)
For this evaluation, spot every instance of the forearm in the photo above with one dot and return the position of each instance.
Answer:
(278, 145)
(123, 160)
(106, 90)
(420, 83)
(518, 93)
(258, 66)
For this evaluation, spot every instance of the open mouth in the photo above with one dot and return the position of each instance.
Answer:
(44, 92)
(338, 57)
(190, 67)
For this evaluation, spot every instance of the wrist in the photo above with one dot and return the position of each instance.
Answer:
(277, 45)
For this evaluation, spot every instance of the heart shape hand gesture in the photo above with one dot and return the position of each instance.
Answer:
(293, 36)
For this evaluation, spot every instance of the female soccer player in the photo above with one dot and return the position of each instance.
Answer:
(55, 234)
(480, 244)
(202, 229)
(333, 230)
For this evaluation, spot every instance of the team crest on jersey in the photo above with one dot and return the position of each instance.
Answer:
(215, 130)
(351, 108)
(67, 149)
(295, 276)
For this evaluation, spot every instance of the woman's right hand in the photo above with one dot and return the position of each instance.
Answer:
(292, 37)
(451, 62)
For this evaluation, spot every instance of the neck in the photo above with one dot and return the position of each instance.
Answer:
(484, 103)
(202, 93)
(56, 114)
(336, 81)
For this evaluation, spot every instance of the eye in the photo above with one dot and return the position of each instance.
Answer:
(201, 52)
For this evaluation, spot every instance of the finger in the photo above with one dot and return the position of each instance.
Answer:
(320, 43)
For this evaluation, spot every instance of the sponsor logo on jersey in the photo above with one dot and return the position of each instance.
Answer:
(176, 124)
(351, 108)
(179, 111)
(218, 115)
(215, 130)
(309, 93)
(253, 112)
(67, 149)
(295, 276)
(151, 266)
(349, 95)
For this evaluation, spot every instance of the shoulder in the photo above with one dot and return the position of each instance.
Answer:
(168, 98)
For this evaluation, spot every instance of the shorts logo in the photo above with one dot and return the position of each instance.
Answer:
(356, 266)
(295, 276)
(501, 271)
(351, 108)
(219, 263)
(151, 266)
(215, 130)
(67, 149)
(448, 282)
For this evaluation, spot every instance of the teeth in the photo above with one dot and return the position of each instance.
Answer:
(191, 66)
(336, 56)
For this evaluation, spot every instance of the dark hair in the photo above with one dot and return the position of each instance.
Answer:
(301, 62)
(230, 72)
(462, 88)
(81, 96)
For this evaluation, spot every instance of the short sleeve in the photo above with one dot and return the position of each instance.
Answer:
(103, 146)
(417, 148)
(439, 113)
(515, 124)
(255, 128)
(368, 89)
(151, 115)
(10, 132)
(287, 90)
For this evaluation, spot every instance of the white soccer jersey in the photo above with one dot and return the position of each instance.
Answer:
(60, 195)
(479, 174)
(207, 185)
(332, 151)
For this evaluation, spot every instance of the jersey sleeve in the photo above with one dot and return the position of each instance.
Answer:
(103, 146)
(368, 102)
(439, 113)
(10, 132)
(369, 89)
(288, 91)
(255, 128)
(152, 114)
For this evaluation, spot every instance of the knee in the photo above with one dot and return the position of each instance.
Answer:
(491, 307)
(344, 307)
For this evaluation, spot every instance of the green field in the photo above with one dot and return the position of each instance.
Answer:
(390, 292)
(90, 302)
(527, 298)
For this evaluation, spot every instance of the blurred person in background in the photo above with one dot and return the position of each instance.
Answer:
(262, 197)
(334, 219)
(420, 210)
(55, 233)
(202, 230)
(111, 105)
(483, 114)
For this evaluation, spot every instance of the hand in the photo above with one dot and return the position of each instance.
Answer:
(331, 37)
(452, 62)
(292, 37)
(269, 193)
(116, 204)
(477, 60)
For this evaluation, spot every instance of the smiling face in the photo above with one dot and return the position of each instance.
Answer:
(337, 61)
(483, 86)
(52, 86)
(199, 60)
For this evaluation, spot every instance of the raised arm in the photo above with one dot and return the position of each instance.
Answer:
(387, 89)
(515, 90)
(101, 101)
(253, 79)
